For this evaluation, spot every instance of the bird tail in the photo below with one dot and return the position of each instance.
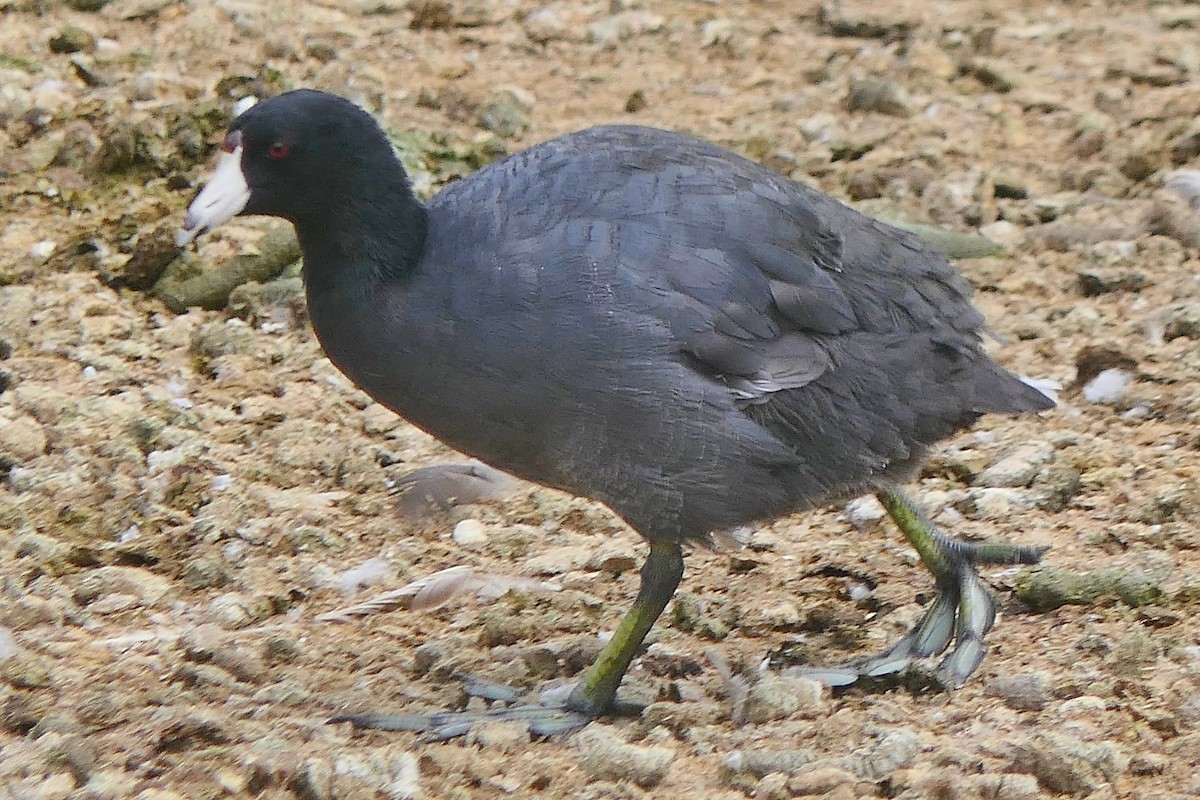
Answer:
(1006, 393)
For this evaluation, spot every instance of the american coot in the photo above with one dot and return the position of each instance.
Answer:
(641, 318)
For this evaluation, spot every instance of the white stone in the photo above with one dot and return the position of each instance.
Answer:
(469, 533)
(1109, 387)
(865, 513)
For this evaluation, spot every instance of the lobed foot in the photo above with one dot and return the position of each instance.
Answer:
(960, 615)
(551, 715)
(444, 725)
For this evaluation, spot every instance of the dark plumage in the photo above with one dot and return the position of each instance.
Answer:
(630, 315)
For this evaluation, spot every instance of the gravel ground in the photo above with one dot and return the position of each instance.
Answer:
(183, 495)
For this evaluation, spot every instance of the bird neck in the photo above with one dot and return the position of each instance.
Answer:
(369, 238)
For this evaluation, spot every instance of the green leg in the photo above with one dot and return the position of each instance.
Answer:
(937, 550)
(661, 574)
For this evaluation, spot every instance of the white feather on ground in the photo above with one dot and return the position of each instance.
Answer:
(373, 570)
(445, 486)
(438, 589)
(737, 687)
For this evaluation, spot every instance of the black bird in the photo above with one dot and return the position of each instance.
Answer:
(645, 319)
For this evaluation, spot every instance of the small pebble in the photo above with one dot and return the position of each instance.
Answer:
(547, 24)
(1148, 764)
(778, 697)
(134, 9)
(865, 513)
(184, 729)
(605, 756)
(1063, 763)
(782, 615)
(1140, 411)
(1018, 468)
(235, 610)
(1010, 187)
(819, 781)
(1004, 233)
(893, 749)
(283, 693)
(72, 39)
(101, 709)
(59, 785)
(865, 21)
(204, 572)
(624, 25)
(992, 73)
(470, 533)
(145, 86)
(1097, 281)
(243, 105)
(22, 439)
(1057, 487)
(1005, 786)
(764, 762)
(281, 649)
(42, 251)
(878, 95)
(75, 752)
(859, 591)
(772, 787)
(21, 711)
(503, 736)
(1026, 691)
(230, 780)
(680, 718)
(150, 589)
(312, 780)
(507, 112)
(994, 504)
(613, 560)
(1182, 319)
(384, 772)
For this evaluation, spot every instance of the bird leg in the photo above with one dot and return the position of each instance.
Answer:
(593, 696)
(962, 612)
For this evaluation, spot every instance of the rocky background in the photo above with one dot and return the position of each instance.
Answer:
(186, 494)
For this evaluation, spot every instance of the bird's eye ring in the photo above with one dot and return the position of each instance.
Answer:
(278, 150)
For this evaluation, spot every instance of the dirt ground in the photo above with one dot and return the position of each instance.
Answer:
(181, 495)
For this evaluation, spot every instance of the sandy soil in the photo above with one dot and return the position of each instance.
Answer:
(181, 495)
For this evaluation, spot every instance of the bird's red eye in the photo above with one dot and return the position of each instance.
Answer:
(277, 150)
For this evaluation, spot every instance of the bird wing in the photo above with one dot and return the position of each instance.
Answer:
(755, 274)
(752, 278)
